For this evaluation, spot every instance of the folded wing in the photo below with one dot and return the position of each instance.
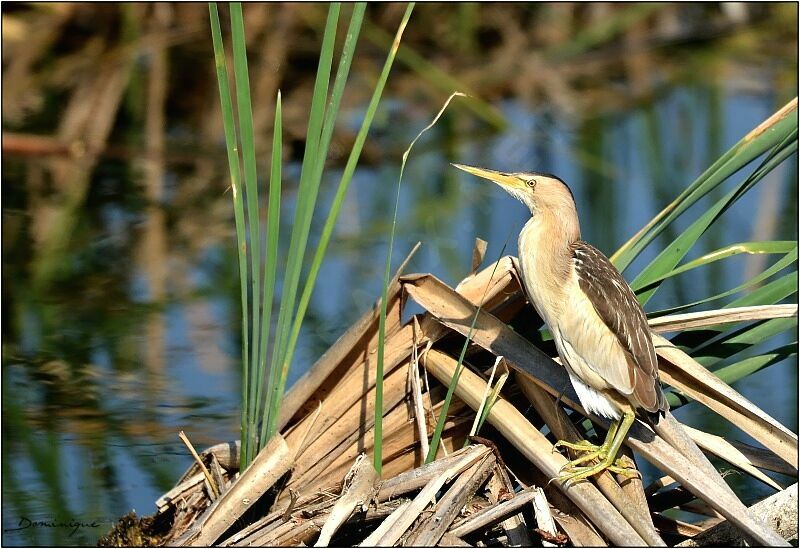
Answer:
(618, 349)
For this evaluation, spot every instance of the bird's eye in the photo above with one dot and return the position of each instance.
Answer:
(530, 182)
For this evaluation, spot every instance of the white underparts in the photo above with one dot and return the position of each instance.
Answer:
(594, 401)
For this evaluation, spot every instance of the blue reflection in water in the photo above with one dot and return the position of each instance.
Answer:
(107, 438)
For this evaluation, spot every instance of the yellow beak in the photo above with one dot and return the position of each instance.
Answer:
(502, 179)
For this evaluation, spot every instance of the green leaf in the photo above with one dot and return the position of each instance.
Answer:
(767, 247)
(770, 133)
(768, 294)
(270, 268)
(731, 373)
(312, 192)
(344, 183)
(378, 438)
(778, 266)
(303, 207)
(739, 340)
(248, 151)
(384, 298)
(231, 144)
(675, 251)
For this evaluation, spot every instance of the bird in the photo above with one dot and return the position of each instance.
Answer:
(599, 328)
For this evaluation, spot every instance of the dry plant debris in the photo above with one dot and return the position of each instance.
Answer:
(312, 485)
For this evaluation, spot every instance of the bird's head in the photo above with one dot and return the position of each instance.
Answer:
(536, 190)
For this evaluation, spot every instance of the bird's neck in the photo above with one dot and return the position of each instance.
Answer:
(545, 249)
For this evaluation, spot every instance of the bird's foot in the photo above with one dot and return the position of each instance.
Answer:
(581, 446)
(570, 473)
(590, 451)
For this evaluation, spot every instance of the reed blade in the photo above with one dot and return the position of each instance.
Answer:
(270, 268)
(248, 152)
(331, 113)
(676, 250)
(231, 145)
(344, 184)
(760, 140)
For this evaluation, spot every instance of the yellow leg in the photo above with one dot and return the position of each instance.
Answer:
(592, 450)
(607, 453)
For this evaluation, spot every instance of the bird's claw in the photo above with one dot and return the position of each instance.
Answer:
(570, 474)
(580, 446)
(589, 450)
(574, 471)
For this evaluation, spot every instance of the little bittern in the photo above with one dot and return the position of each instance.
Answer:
(599, 329)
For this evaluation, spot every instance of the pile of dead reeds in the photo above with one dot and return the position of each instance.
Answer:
(311, 484)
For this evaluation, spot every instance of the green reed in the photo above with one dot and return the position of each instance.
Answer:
(267, 354)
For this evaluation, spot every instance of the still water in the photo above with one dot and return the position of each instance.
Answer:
(101, 372)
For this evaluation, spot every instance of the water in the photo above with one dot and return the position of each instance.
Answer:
(102, 370)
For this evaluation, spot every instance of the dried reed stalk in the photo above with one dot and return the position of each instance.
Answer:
(415, 479)
(684, 373)
(428, 532)
(271, 463)
(533, 444)
(563, 429)
(357, 416)
(402, 520)
(493, 513)
(346, 353)
(689, 463)
(500, 488)
(452, 440)
(359, 491)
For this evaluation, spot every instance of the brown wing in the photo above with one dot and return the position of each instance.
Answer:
(616, 305)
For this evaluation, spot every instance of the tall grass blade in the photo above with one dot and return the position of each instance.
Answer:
(675, 251)
(295, 259)
(271, 264)
(736, 371)
(770, 293)
(331, 113)
(238, 210)
(378, 446)
(778, 266)
(248, 151)
(736, 341)
(731, 373)
(768, 247)
(344, 183)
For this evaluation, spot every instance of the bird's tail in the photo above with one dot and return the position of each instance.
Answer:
(663, 407)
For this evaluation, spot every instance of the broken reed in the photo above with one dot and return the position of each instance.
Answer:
(257, 303)
(451, 387)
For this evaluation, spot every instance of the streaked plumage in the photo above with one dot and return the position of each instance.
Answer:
(600, 332)
(616, 305)
(599, 328)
